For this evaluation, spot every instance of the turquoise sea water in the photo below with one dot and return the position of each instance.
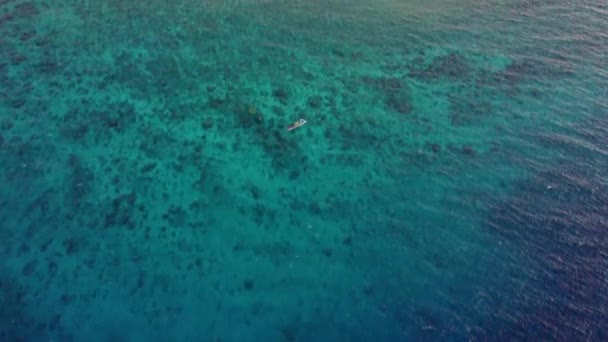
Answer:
(451, 182)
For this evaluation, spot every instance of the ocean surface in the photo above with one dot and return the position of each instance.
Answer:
(451, 182)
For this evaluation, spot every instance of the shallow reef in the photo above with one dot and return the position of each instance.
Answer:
(150, 190)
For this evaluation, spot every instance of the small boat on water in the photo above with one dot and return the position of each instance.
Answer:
(296, 124)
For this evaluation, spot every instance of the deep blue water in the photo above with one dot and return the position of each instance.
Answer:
(451, 182)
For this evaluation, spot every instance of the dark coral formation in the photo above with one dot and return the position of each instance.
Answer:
(248, 284)
(286, 154)
(315, 101)
(81, 181)
(25, 9)
(16, 323)
(208, 123)
(434, 147)
(453, 66)
(166, 74)
(122, 212)
(400, 102)
(176, 216)
(71, 246)
(395, 91)
(468, 109)
(97, 125)
(282, 95)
